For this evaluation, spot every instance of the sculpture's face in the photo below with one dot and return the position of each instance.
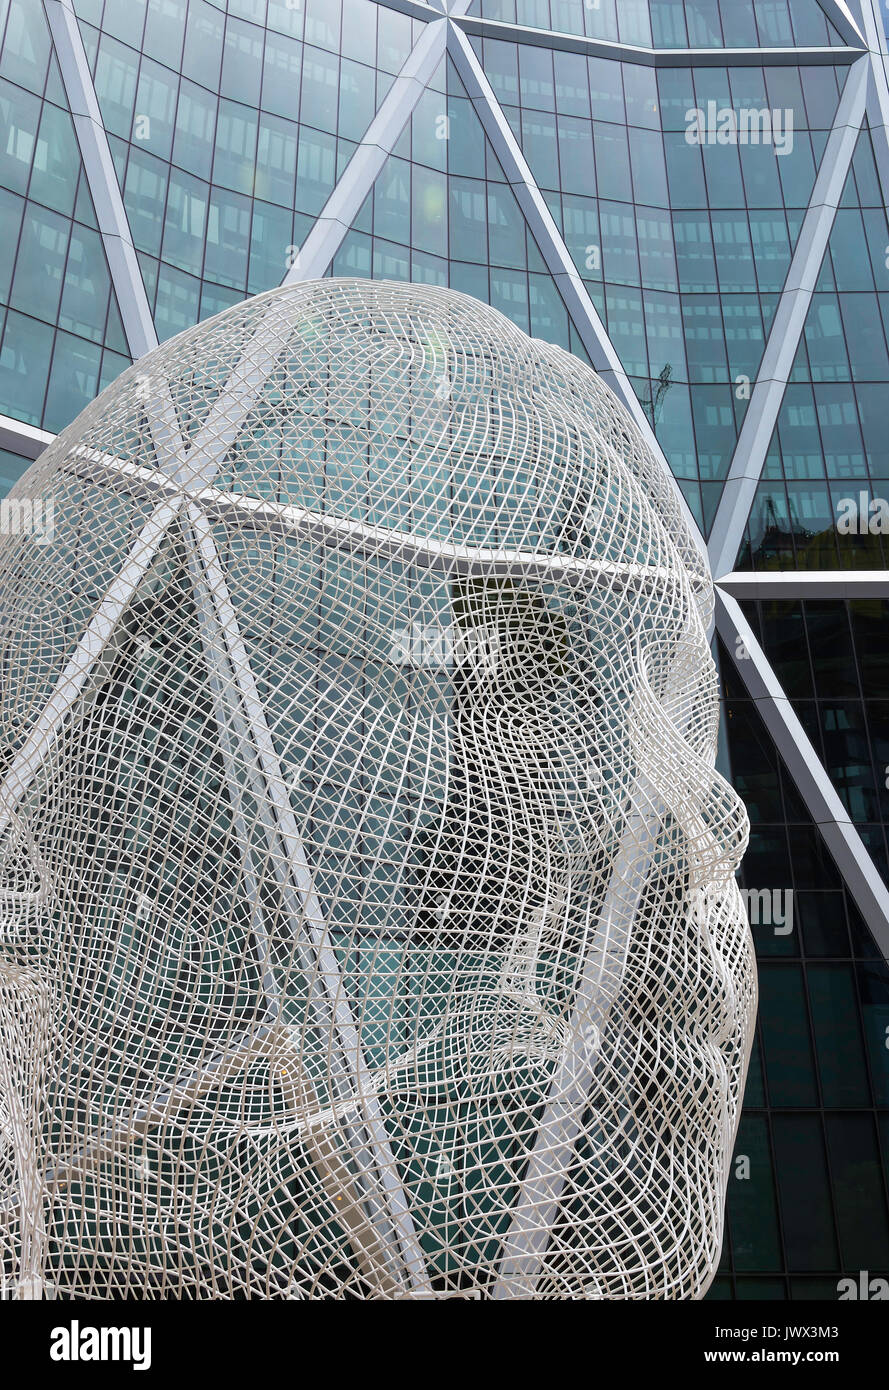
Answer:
(368, 900)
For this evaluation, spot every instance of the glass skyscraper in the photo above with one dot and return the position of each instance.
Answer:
(689, 194)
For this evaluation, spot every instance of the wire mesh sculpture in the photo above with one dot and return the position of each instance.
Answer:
(366, 898)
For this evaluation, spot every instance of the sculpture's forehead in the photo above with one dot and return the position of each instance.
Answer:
(399, 406)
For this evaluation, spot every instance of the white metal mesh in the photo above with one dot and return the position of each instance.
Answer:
(369, 927)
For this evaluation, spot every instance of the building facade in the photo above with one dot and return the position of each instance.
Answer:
(688, 194)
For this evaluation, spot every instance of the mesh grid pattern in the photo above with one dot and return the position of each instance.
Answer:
(367, 899)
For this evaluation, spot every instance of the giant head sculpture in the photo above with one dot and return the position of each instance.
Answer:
(369, 928)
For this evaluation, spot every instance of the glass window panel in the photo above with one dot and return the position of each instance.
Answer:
(125, 19)
(620, 260)
(24, 366)
(751, 1208)
(202, 56)
(165, 31)
(804, 1190)
(117, 69)
(26, 45)
(73, 380)
(876, 237)
(40, 264)
(177, 302)
(429, 210)
(12, 467)
(509, 294)
(685, 172)
(606, 90)
(359, 29)
(733, 251)
(270, 236)
(849, 253)
(19, 117)
(392, 201)
(234, 159)
(506, 235)
(873, 992)
(468, 222)
(323, 23)
(771, 249)
(356, 99)
(281, 75)
(656, 258)
(56, 161)
(825, 340)
(695, 262)
(641, 96)
(394, 39)
(858, 1191)
(11, 208)
(228, 239)
(841, 1063)
(145, 193)
(276, 160)
(634, 25)
(572, 87)
(320, 85)
(466, 143)
(790, 1073)
(722, 172)
(536, 77)
(87, 286)
(195, 130)
(502, 69)
(868, 357)
(626, 328)
(155, 106)
(578, 171)
(821, 96)
(612, 162)
(648, 167)
(539, 146)
(242, 62)
(796, 169)
(185, 222)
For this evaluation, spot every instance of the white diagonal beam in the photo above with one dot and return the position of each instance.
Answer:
(858, 870)
(95, 152)
(369, 1146)
(552, 247)
(380, 138)
(748, 460)
(843, 21)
